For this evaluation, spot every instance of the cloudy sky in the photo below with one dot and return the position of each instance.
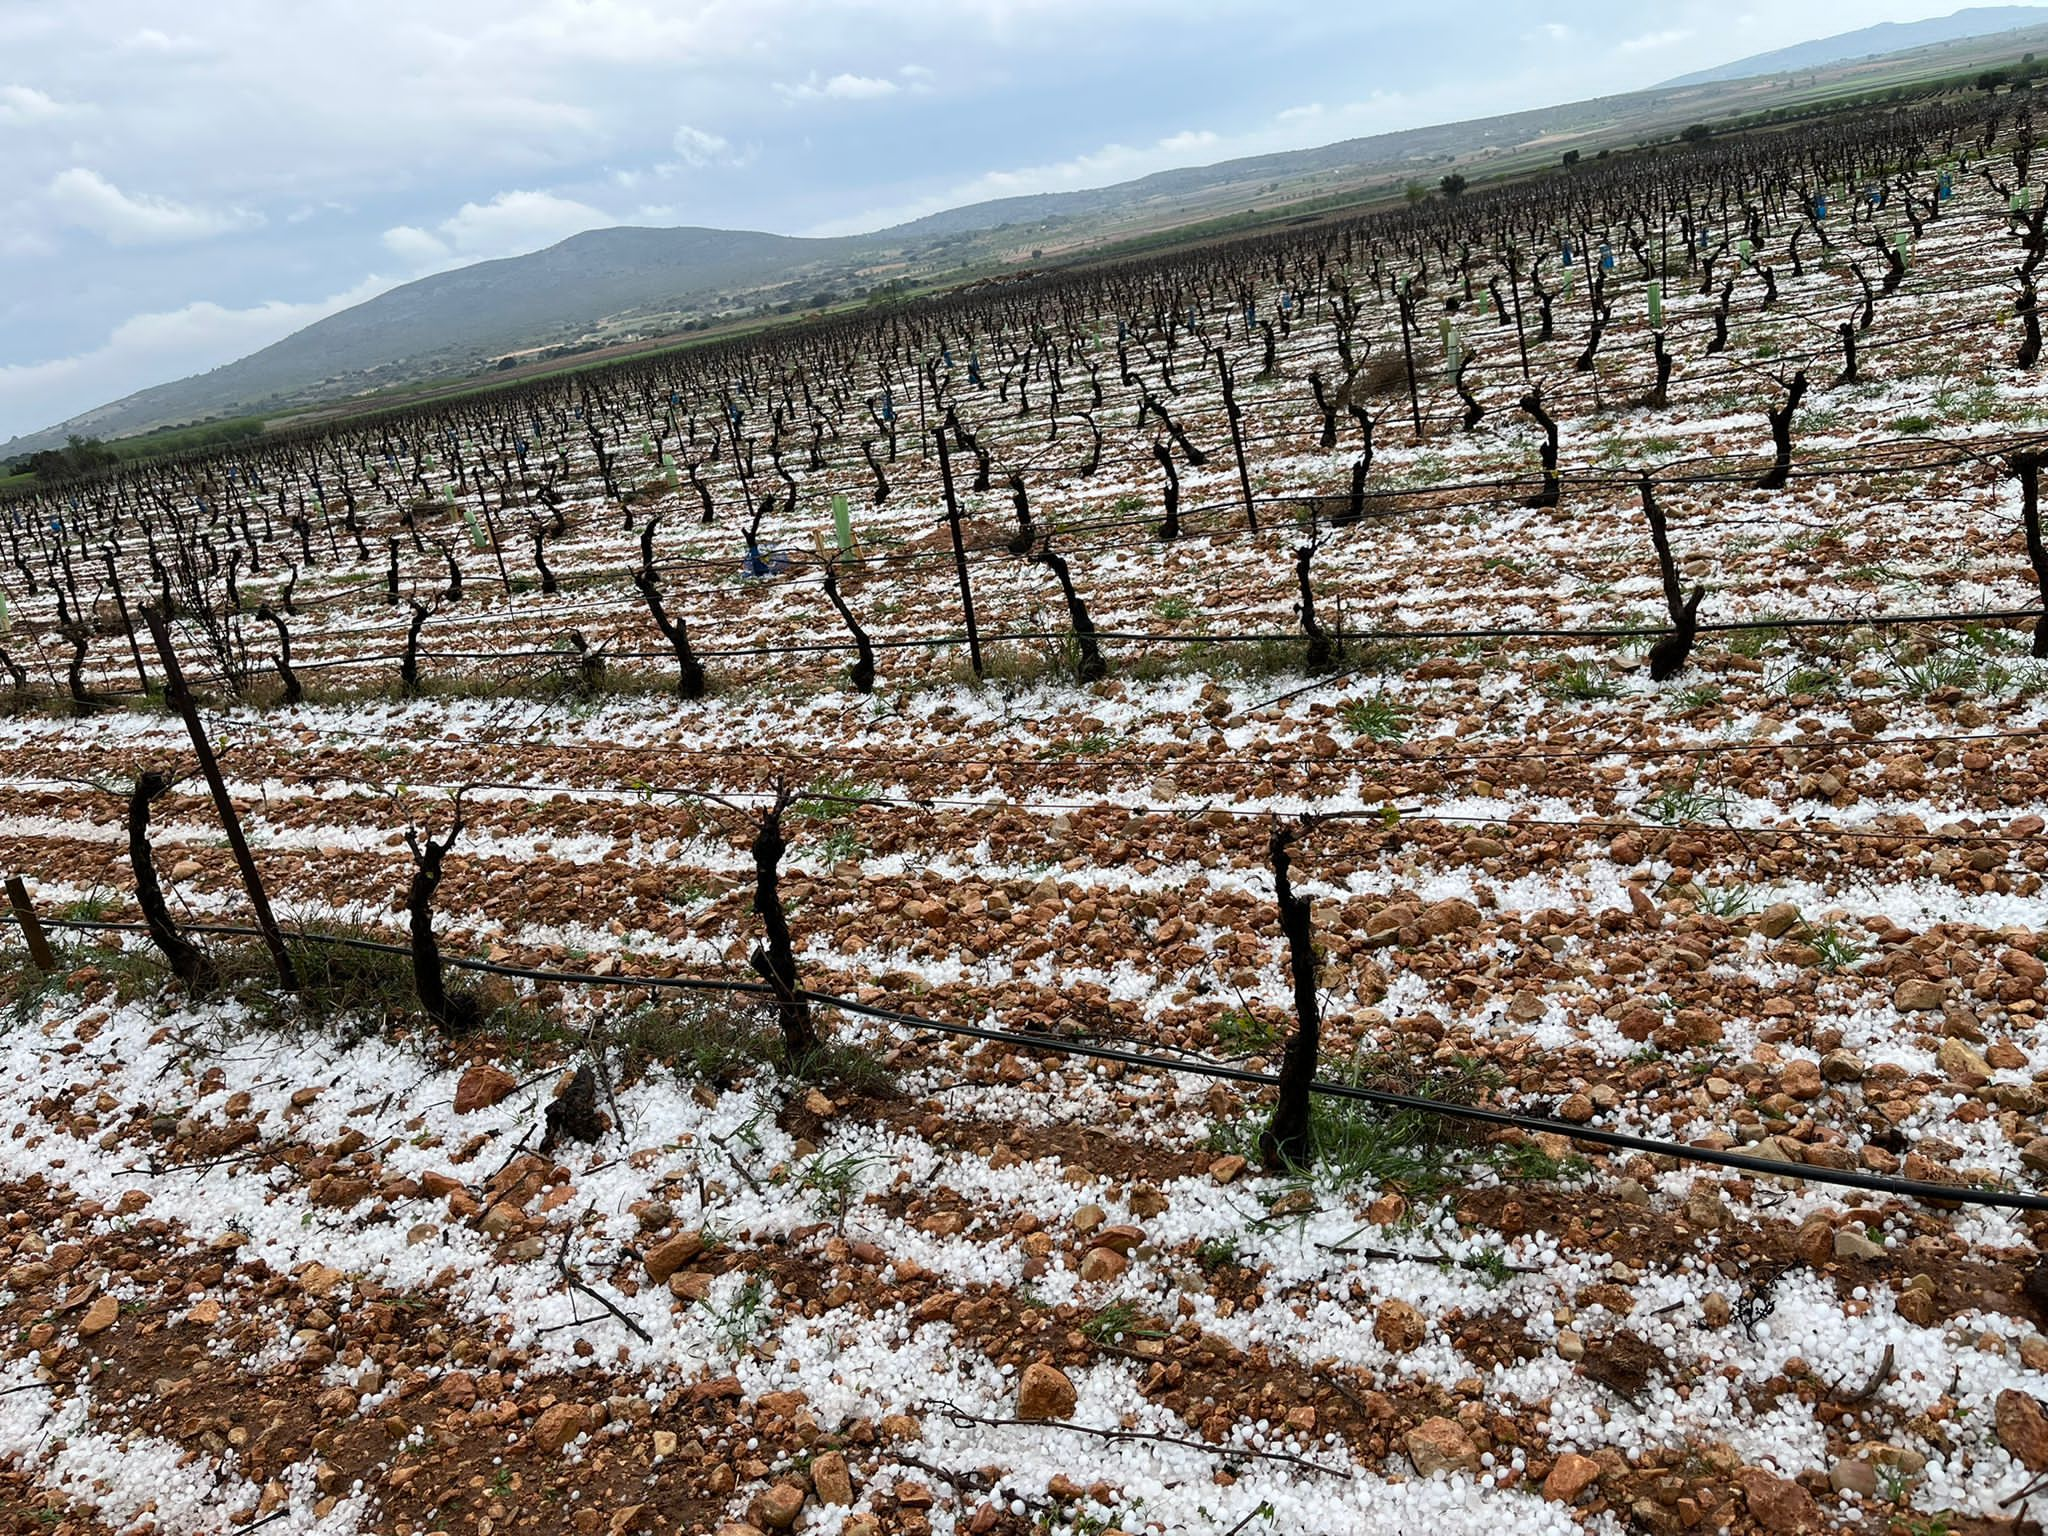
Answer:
(180, 185)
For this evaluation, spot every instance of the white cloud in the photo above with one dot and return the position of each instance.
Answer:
(1098, 168)
(415, 247)
(694, 146)
(22, 105)
(839, 88)
(696, 149)
(88, 200)
(237, 332)
(509, 224)
(614, 31)
(859, 87)
(22, 243)
(308, 211)
(1650, 42)
(150, 40)
(165, 345)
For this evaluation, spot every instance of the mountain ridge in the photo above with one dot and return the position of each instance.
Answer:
(1884, 37)
(630, 283)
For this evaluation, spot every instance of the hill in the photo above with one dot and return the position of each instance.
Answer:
(1884, 38)
(461, 321)
(634, 286)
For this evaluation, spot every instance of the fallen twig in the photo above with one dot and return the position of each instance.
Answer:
(739, 1167)
(157, 1170)
(1447, 1261)
(2040, 1481)
(1877, 1379)
(970, 1480)
(961, 1416)
(576, 1284)
(517, 1147)
(1343, 1391)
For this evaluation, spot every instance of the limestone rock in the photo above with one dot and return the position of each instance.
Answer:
(1918, 995)
(830, 1480)
(1777, 1503)
(1960, 1060)
(1099, 1264)
(482, 1086)
(1801, 1079)
(778, 1508)
(99, 1317)
(1570, 1476)
(1441, 1445)
(558, 1425)
(1852, 1474)
(666, 1258)
(1842, 1067)
(1919, 1307)
(1044, 1392)
(2022, 1428)
(1775, 922)
(1399, 1326)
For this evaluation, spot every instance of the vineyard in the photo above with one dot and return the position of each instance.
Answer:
(1380, 877)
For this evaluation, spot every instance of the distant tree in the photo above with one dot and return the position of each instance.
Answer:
(1991, 79)
(79, 457)
(1415, 191)
(1453, 185)
(1571, 157)
(1697, 133)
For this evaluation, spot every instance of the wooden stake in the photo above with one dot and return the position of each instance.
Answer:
(1515, 291)
(497, 548)
(1406, 306)
(179, 697)
(31, 930)
(959, 551)
(1230, 409)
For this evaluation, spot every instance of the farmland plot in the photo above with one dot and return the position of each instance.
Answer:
(839, 1092)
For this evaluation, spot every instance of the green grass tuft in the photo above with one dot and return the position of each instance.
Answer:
(1374, 718)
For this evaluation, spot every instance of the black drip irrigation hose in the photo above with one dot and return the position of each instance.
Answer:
(1844, 1178)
